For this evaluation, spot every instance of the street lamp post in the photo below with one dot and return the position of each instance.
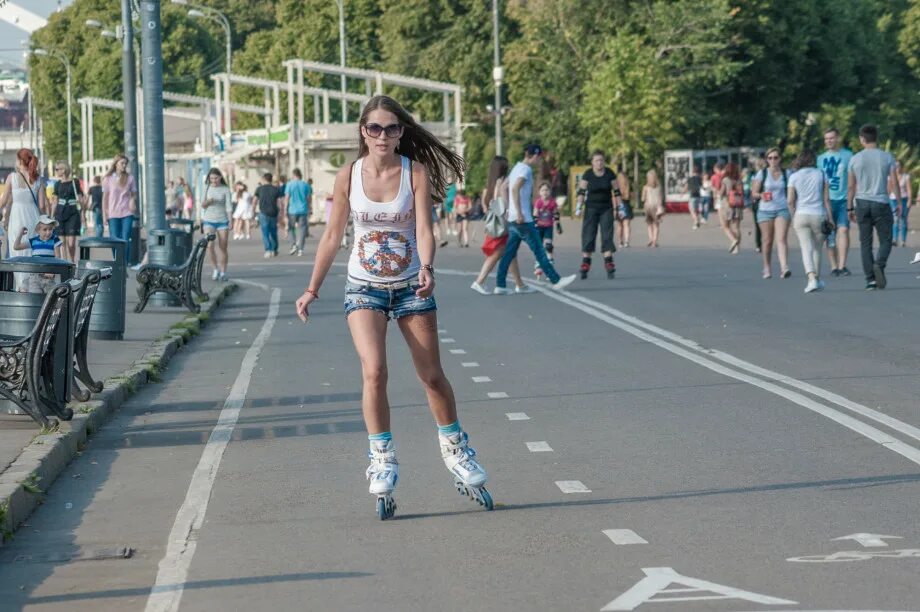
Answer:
(206, 12)
(341, 5)
(498, 74)
(63, 59)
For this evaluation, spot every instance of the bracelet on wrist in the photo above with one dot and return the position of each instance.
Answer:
(311, 292)
(428, 267)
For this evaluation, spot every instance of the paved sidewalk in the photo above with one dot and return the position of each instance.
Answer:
(107, 358)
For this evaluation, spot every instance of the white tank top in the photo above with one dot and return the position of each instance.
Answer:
(385, 249)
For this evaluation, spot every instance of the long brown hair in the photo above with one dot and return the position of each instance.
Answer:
(418, 144)
(28, 159)
(122, 180)
(498, 169)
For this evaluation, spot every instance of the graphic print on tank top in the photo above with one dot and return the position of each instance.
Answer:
(385, 246)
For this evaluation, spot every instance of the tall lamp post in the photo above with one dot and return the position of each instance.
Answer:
(63, 59)
(204, 12)
(341, 5)
(129, 55)
(498, 74)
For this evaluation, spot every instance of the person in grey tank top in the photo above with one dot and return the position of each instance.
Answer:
(401, 167)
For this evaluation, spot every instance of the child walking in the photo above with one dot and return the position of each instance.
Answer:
(653, 205)
(545, 214)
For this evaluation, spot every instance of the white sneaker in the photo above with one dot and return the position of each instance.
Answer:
(812, 285)
(267, 255)
(222, 277)
(479, 289)
(563, 282)
(525, 289)
(501, 291)
(136, 267)
(299, 253)
(215, 274)
(916, 258)
(293, 249)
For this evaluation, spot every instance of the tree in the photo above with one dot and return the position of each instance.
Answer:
(190, 54)
(629, 103)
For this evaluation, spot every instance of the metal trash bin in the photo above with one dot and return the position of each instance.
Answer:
(18, 310)
(107, 321)
(187, 239)
(166, 247)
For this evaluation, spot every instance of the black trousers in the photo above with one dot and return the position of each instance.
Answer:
(874, 215)
(594, 217)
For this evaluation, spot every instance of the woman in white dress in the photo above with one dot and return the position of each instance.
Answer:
(242, 214)
(22, 202)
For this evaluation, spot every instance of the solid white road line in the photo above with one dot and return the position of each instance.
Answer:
(497, 394)
(470, 364)
(622, 537)
(874, 434)
(824, 394)
(448, 340)
(481, 379)
(517, 416)
(572, 486)
(539, 447)
(457, 352)
(183, 538)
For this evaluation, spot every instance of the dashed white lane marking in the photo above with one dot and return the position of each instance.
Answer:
(173, 568)
(442, 331)
(497, 394)
(457, 352)
(448, 340)
(470, 364)
(572, 486)
(623, 537)
(693, 352)
(517, 416)
(539, 447)
(481, 379)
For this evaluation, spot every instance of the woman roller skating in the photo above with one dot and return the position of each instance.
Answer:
(388, 192)
(598, 196)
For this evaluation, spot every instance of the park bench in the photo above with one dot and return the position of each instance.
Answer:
(182, 281)
(83, 297)
(36, 370)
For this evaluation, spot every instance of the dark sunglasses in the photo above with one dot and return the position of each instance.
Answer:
(374, 130)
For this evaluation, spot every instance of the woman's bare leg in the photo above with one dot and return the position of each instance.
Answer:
(489, 264)
(421, 334)
(223, 254)
(766, 233)
(369, 331)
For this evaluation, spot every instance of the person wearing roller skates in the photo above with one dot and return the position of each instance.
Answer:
(598, 196)
(546, 214)
(388, 193)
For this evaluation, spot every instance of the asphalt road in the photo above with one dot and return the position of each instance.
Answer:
(687, 436)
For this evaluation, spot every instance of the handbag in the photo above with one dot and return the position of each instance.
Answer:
(827, 228)
(495, 224)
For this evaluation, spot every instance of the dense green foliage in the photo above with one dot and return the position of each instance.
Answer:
(628, 76)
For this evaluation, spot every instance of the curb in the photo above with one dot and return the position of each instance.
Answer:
(46, 456)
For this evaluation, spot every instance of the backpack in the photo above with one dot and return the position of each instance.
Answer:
(736, 195)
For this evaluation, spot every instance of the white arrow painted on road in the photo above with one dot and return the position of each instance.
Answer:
(658, 580)
(869, 540)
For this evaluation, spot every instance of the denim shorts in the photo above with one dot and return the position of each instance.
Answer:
(839, 210)
(209, 225)
(770, 215)
(394, 304)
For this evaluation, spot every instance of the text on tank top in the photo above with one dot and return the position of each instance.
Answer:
(385, 248)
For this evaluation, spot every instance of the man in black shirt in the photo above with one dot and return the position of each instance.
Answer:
(599, 195)
(267, 196)
(694, 183)
(95, 196)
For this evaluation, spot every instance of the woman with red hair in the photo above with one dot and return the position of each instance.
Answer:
(23, 201)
